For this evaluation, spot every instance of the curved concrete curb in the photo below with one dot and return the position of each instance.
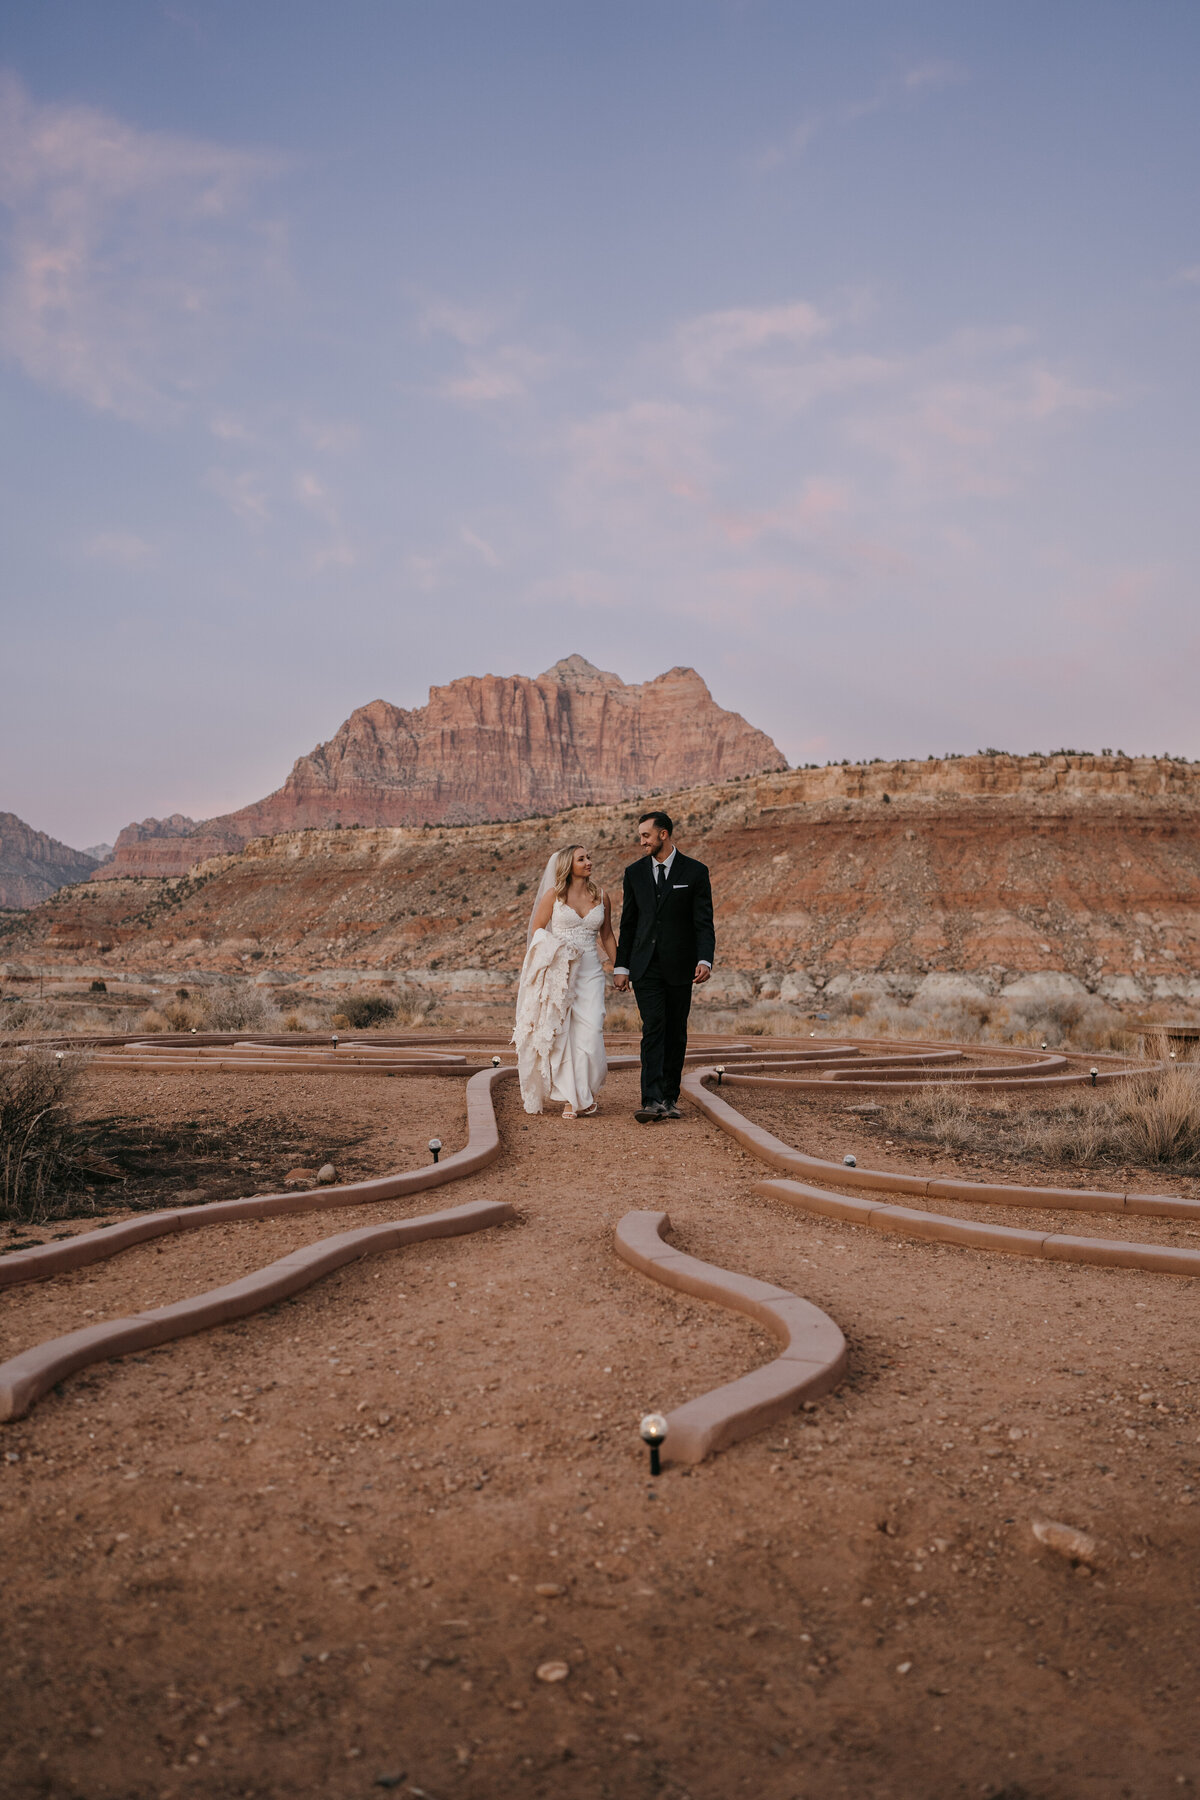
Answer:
(25, 1378)
(482, 1147)
(1055, 1246)
(773, 1151)
(812, 1361)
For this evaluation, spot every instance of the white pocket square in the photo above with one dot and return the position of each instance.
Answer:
(679, 887)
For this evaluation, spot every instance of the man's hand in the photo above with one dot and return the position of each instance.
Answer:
(702, 973)
(621, 983)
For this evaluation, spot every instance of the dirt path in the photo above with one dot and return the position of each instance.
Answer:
(301, 1555)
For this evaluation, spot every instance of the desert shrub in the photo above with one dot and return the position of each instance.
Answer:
(185, 1014)
(1158, 1114)
(39, 1137)
(362, 1011)
(241, 1007)
(411, 1007)
(622, 1015)
(153, 1020)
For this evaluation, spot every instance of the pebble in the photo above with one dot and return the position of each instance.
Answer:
(549, 1590)
(1067, 1540)
(553, 1671)
(326, 1174)
(300, 1178)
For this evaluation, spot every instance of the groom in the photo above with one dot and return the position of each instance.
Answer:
(667, 947)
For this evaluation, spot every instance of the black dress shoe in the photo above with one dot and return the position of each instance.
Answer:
(671, 1111)
(650, 1112)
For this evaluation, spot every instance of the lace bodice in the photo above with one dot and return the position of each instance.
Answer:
(566, 923)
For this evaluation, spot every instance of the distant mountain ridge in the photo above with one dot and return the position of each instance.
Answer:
(484, 748)
(33, 866)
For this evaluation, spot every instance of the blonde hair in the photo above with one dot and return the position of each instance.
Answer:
(564, 862)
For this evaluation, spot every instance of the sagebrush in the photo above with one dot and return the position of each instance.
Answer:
(40, 1140)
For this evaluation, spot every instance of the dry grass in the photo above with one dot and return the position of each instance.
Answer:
(1079, 1023)
(1152, 1119)
(40, 1143)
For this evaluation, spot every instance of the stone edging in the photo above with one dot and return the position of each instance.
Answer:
(482, 1147)
(1007, 1240)
(27, 1376)
(812, 1361)
(772, 1150)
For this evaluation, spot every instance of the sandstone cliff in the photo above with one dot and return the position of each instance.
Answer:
(995, 868)
(487, 747)
(32, 865)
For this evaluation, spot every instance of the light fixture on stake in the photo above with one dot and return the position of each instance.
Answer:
(495, 1062)
(1045, 1046)
(1093, 1073)
(435, 1148)
(334, 1040)
(58, 1056)
(654, 1429)
(851, 1162)
(720, 1073)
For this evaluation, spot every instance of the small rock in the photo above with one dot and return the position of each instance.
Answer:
(903, 1668)
(553, 1671)
(300, 1178)
(390, 1781)
(549, 1590)
(1067, 1540)
(326, 1174)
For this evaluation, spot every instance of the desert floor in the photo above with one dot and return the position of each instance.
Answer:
(323, 1552)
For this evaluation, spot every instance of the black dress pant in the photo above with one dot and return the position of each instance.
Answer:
(664, 1006)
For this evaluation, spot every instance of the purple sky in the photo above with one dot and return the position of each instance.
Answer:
(846, 353)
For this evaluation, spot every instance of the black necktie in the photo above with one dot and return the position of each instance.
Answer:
(660, 882)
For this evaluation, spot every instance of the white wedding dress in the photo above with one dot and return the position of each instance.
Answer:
(559, 1032)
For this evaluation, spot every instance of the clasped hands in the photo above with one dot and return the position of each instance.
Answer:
(621, 982)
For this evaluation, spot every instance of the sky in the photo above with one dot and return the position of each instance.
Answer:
(844, 352)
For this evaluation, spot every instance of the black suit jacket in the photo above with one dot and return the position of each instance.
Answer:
(680, 928)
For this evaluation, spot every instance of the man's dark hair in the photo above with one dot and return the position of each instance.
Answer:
(662, 820)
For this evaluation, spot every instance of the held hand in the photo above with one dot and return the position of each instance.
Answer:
(621, 983)
(702, 973)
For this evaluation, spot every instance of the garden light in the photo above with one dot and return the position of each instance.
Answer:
(435, 1148)
(495, 1062)
(1093, 1073)
(654, 1429)
(851, 1162)
(334, 1040)
(720, 1073)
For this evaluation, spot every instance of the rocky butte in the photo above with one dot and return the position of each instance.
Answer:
(33, 866)
(485, 748)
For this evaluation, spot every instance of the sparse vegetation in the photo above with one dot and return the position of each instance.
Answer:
(40, 1143)
(1154, 1118)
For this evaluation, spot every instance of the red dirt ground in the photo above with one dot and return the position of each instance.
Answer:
(301, 1555)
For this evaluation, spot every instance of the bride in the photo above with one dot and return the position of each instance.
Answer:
(559, 1032)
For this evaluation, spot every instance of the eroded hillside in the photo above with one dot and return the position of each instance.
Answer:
(995, 867)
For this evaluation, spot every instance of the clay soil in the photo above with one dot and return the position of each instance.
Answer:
(325, 1550)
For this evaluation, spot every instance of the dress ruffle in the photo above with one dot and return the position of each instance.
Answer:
(543, 1006)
